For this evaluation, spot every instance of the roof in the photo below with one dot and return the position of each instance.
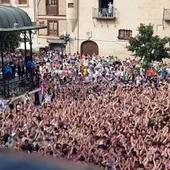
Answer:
(15, 19)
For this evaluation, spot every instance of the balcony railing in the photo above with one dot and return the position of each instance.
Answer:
(167, 14)
(104, 13)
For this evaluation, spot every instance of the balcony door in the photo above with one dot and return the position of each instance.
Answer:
(52, 7)
(104, 4)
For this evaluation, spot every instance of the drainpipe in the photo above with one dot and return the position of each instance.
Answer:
(35, 10)
(78, 25)
(36, 5)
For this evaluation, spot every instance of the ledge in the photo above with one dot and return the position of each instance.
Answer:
(22, 5)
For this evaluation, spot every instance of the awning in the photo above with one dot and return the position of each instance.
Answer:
(15, 19)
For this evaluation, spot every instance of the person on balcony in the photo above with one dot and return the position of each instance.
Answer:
(104, 12)
(110, 9)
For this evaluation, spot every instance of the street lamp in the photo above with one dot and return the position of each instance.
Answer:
(65, 36)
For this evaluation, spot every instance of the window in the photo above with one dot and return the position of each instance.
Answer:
(52, 7)
(22, 1)
(125, 34)
(106, 9)
(5, 1)
(42, 32)
(41, 23)
(70, 5)
(51, 2)
(53, 28)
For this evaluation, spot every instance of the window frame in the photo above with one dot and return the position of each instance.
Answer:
(52, 4)
(52, 33)
(9, 2)
(42, 22)
(70, 5)
(124, 34)
(19, 2)
(100, 3)
(55, 5)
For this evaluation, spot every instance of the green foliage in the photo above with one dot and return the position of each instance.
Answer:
(9, 40)
(147, 46)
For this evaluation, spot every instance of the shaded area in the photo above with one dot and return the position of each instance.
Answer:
(14, 161)
(15, 20)
(9, 16)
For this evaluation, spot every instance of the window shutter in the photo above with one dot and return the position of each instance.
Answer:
(22, 1)
(5, 1)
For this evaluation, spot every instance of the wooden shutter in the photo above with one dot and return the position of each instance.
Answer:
(52, 7)
(5, 1)
(53, 28)
(22, 1)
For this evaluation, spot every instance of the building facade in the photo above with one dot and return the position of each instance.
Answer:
(104, 27)
(95, 26)
(53, 14)
(30, 7)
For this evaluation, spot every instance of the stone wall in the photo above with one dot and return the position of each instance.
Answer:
(130, 13)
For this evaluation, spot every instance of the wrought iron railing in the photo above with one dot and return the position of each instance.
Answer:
(167, 14)
(16, 87)
(104, 13)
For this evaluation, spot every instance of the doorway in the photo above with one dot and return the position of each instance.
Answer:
(104, 3)
(60, 48)
(89, 48)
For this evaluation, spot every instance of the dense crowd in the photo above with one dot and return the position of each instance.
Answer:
(101, 111)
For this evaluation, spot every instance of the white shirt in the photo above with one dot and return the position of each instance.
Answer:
(110, 5)
(168, 70)
(48, 98)
(86, 63)
(119, 73)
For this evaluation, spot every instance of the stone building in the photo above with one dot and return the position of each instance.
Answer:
(105, 26)
(53, 14)
(30, 7)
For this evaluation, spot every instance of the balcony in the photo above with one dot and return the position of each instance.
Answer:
(167, 14)
(104, 13)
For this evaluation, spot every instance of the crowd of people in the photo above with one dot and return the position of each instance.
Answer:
(91, 109)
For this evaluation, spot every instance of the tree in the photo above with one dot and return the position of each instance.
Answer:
(9, 40)
(147, 46)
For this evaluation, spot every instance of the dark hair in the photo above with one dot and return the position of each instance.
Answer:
(151, 162)
(81, 158)
(74, 152)
(141, 166)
